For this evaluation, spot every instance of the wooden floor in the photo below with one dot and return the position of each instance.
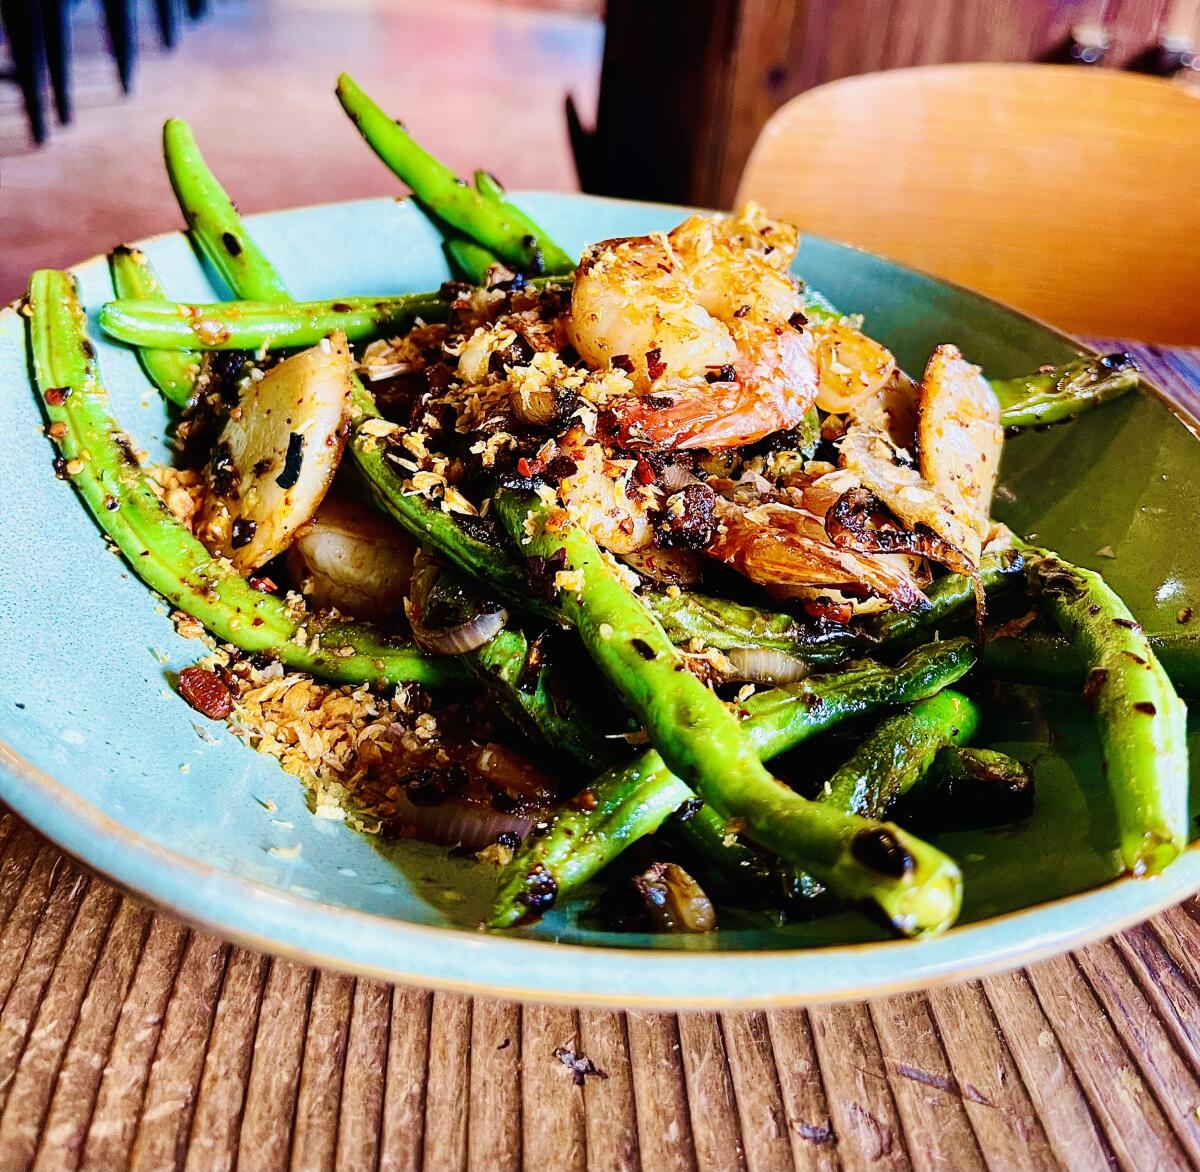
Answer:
(482, 83)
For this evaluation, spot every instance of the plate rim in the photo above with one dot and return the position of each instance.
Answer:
(132, 861)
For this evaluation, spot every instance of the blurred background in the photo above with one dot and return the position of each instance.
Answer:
(658, 99)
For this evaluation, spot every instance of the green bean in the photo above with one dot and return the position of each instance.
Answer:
(214, 222)
(470, 545)
(173, 372)
(1141, 720)
(490, 220)
(949, 597)
(899, 752)
(1046, 659)
(633, 800)
(251, 325)
(470, 261)
(98, 459)
(971, 788)
(1065, 391)
(727, 625)
(916, 886)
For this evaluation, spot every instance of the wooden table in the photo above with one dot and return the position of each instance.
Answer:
(129, 1041)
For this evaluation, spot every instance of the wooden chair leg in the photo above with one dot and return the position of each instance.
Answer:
(56, 26)
(23, 27)
(118, 16)
(166, 22)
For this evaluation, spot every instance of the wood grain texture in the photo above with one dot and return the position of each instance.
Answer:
(174, 1077)
(552, 1127)
(494, 1134)
(267, 1121)
(610, 1115)
(217, 1122)
(958, 171)
(129, 1042)
(686, 87)
(403, 1133)
(365, 1077)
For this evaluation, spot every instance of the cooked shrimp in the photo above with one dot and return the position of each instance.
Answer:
(710, 301)
(873, 458)
(959, 435)
(784, 548)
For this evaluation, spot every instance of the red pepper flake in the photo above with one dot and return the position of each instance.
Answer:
(644, 471)
(1146, 707)
(56, 396)
(263, 585)
(655, 366)
(528, 468)
(585, 800)
(57, 430)
(623, 362)
(206, 692)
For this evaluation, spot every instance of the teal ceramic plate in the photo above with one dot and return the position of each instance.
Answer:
(102, 756)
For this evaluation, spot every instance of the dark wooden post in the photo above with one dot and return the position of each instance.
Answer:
(687, 85)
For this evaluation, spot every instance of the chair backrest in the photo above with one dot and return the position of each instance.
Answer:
(1070, 193)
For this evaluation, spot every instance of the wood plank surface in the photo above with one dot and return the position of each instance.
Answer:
(128, 1041)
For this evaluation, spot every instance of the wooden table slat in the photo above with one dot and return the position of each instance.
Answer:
(1116, 1089)
(802, 1092)
(447, 1073)
(712, 1107)
(403, 1132)
(1007, 1128)
(32, 1082)
(174, 1076)
(364, 1078)
(78, 1081)
(660, 1092)
(611, 1117)
(870, 1133)
(929, 1101)
(121, 1093)
(494, 1134)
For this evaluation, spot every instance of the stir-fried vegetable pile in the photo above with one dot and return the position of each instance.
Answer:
(666, 511)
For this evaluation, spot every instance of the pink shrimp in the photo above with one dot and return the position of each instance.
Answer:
(708, 325)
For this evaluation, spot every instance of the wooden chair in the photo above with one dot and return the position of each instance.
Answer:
(1072, 194)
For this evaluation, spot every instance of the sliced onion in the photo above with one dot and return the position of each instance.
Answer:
(466, 636)
(460, 639)
(386, 370)
(765, 665)
(503, 794)
(471, 825)
(673, 477)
